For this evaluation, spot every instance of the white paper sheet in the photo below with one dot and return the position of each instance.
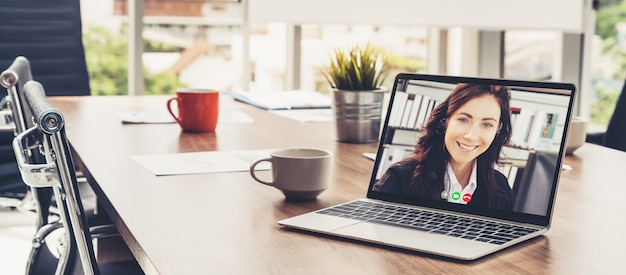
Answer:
(306, 115)
(160, 116)
(284, 100)
(145, 117)
(202, 162)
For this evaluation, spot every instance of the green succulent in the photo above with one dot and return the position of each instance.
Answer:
(357, 68)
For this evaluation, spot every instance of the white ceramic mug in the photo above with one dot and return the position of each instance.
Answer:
(577, 134)
(301, 174)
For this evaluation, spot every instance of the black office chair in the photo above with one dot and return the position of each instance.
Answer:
(48, 135)
(49, 33)
(615, 135)
(535, 186)
(13, 79)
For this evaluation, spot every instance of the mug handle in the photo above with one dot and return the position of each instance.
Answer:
(169, 109)
(254, 164)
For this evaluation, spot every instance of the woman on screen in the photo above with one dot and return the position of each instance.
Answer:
(454, 158)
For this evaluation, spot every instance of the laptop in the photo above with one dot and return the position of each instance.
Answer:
(450, 224)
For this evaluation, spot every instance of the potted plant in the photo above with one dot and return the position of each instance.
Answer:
(355, 75)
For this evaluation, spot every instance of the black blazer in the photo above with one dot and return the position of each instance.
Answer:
(397, 180)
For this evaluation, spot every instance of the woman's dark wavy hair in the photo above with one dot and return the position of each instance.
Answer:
(430, 154)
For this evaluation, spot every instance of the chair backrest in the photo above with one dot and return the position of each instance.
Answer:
(615, 136)
(533, 190)
(49, 33)
(58, 172)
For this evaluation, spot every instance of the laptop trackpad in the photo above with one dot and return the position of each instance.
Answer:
(415, 240)
(317, 222)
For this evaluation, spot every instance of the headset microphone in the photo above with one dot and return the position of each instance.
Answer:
(446, 191)
(432, 176)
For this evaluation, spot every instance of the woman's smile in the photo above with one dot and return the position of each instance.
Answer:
(466, 148)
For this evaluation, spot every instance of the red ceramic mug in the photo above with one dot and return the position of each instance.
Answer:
(198, 109)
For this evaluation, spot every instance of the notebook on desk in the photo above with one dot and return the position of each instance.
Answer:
(425, 207)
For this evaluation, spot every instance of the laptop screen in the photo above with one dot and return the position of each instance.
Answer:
(481, 146)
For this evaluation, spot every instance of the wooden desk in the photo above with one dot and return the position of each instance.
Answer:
(227, 223)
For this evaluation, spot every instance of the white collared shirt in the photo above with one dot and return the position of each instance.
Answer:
(455, 193)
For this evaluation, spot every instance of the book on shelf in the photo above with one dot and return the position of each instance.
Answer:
(382, 167)
(411, 111)
(520, 127)
(417, 103)
(421, 116)
(537, 126)
(399, 101)
(533, 128)
(432, 104)
(405, 115)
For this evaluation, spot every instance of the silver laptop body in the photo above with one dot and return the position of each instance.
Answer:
(531, 163)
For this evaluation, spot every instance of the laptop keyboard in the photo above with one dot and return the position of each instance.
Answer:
(429, 221)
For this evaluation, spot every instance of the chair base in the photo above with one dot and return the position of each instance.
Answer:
(18, 201)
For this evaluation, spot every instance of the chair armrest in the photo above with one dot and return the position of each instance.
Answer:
(596, 138)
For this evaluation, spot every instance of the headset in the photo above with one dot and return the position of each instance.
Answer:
(432, 175)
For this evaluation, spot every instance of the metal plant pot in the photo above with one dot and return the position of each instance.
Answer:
(358, 114)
